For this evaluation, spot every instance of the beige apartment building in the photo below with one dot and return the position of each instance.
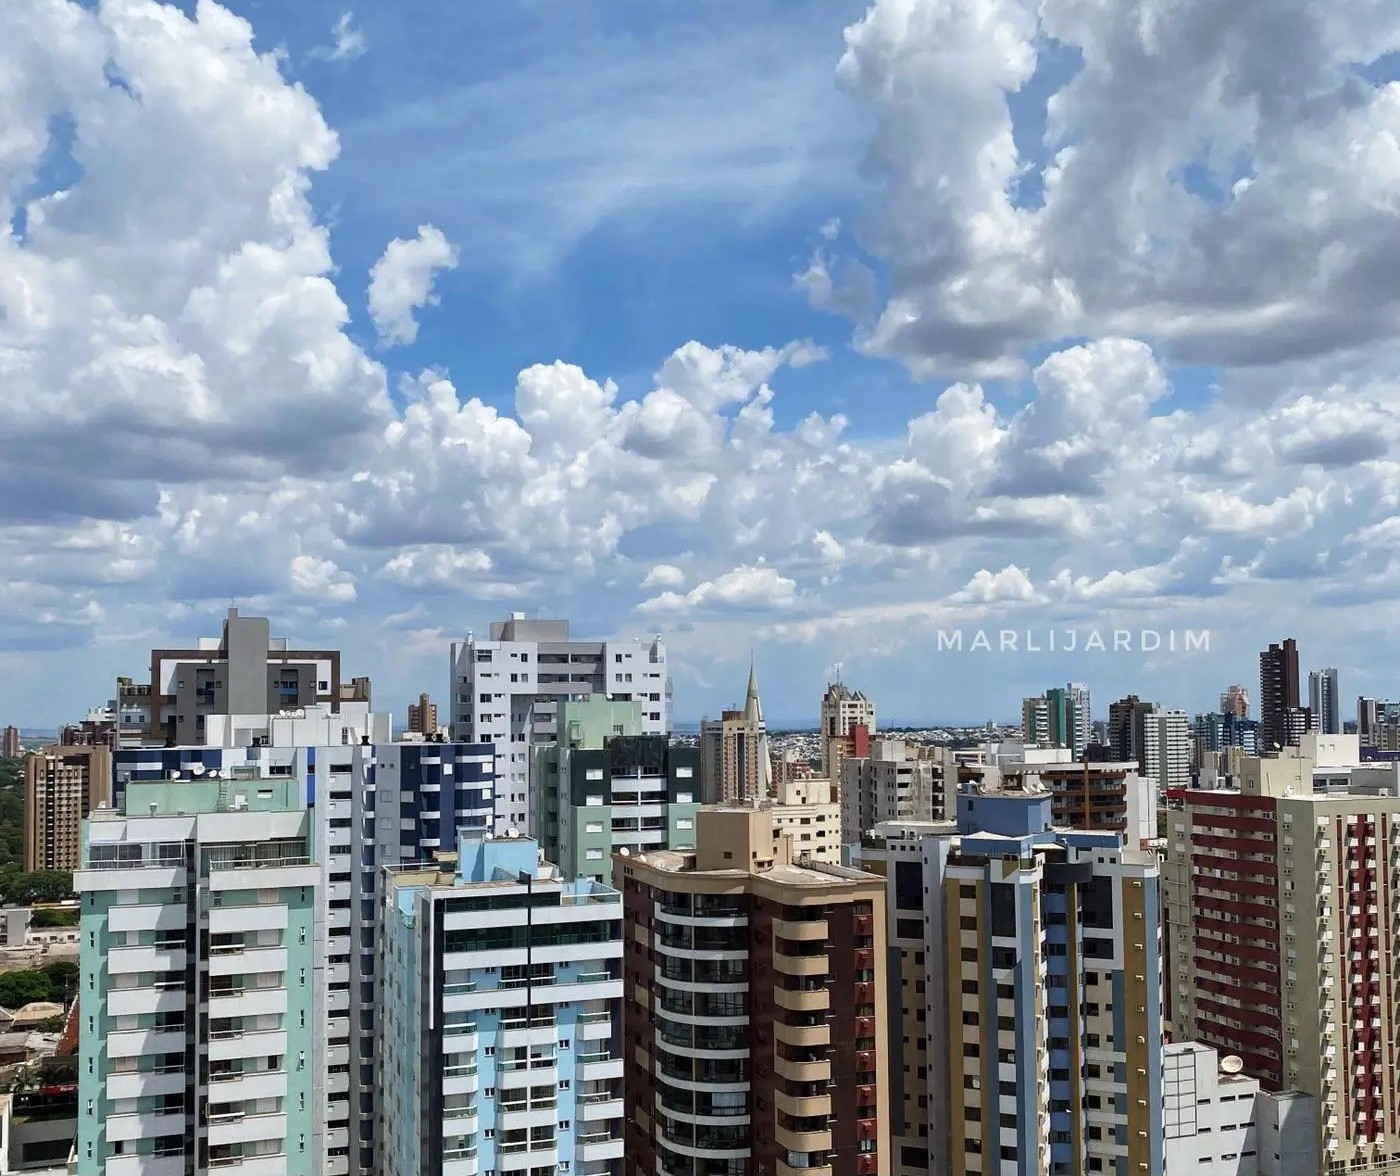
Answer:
(1280, 907)
(62, 785)
(755, 1013)
(423, 716)
(843, 712)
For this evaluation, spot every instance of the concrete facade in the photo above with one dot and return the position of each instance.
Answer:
(505, 690)
(62, 785)
(607, 786)
(755, 1009)
(203, 990)
(501, 1023)
(1279, 904)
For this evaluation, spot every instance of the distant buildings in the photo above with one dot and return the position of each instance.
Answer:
(1166, 757)
(1324, 701)
(735, 764)
(843, 710)
(1127, 734)
(423, 716)
(1234, 700)
(893, 781)
(62, 785)
(1059, 718)
(1214, 732)
(10, 746)
(805, 811)
(500, 1040)
(756, 1009)
(605, 786)
(245, 671)
(1282, 722)
(506, 689)
(1378, 723)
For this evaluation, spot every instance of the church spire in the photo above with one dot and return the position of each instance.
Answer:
(753, 709)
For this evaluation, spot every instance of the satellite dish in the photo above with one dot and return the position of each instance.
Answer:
(625, 852)
(512, 832)
(197, 770)
(1231, 1064)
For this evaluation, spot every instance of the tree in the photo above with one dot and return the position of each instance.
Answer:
(18, 989)
(50, 917)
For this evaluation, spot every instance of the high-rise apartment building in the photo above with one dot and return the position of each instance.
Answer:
(423, 716)
(735, 764)
(1279, 904)
(1059, 718)
(205, 1039)
(1043, 962)
(500, 1025)
(1166, 751)
(1127, 733)
(755, 1009)
(10, 746)
(245, 671)
(842, 711)
(896, 781)
(1278, 692)
(805, 811)
(62, 785)
(606, 786)
(1035, 720)
(1234, 700)
(1325, 702)
(1218, 731)
(506, 690)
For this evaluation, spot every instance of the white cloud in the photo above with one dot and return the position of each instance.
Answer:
(401, 282)
(1009, 584)
(1223, 180)
(320, 579)
(347, 42)
(664, 576)
(748, 588)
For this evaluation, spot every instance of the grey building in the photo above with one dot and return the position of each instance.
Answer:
(1324, 701)
(244, 671)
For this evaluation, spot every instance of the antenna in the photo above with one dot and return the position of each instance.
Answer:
(1231, 1064)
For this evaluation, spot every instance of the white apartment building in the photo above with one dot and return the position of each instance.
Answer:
(1167, 748)
(895, 782)
(1218, 1122)
(505, 690)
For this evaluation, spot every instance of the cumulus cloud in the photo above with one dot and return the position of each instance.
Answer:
(664, 576)
(401, 282)
(1223, 180)
(749, 588)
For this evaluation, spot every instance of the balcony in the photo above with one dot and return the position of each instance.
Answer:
(803, 1034)
(801, 929)
(802, 965)
(814, 1070)
(802, 1000)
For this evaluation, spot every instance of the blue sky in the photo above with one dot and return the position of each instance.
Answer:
(1004, 314)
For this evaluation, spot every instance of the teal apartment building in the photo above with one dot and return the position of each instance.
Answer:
(606, 786)
(201, 1043)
